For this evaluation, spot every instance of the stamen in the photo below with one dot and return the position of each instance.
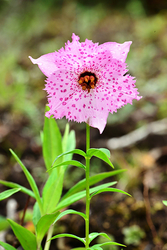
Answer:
(81, 80)
(91, 78)
(87, 80)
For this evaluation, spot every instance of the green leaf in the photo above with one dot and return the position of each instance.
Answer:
(3, 223)
(77, 196)
(52, 192)
(165, 203)
(79, 248)
(96, 248)
(65, 138)
(105, 151)
(7, 246)
(106, 244)
(15, 185)
(74, 151)
(36, 214)
(68, 235)
(109, 190)
(54, 185)
(100, 153)
(30, 180)
(43, 225)
(70, 145)
(71, 162)
(69, 211)
(52, 145)
(8, 193)
(25, 237)
(92, 236)
(81, 185)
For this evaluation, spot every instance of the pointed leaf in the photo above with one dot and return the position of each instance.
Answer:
(106, 244)
(15, 185)
(8, 193)
(68, 235)
(99, 153)
(69, 211)
(54, 185)
(52, 145)
(92, 236)
(165, 203)
(70, 145)
(74, 151)
(109, 190)
(25, 237)
(4, 225)
(52, 194)
(65, 138)
(30, 179)
(72, 162)
(6, 246)
(79, 248)
(44, 224)
(36, 214)
(96, 248)
(106, 151)
(77, 196)
(92, 180)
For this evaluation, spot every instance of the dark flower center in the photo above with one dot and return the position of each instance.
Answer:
(87, 80)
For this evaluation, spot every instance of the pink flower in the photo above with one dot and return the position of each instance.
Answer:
(86, 81)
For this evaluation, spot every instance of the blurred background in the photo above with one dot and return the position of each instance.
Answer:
(136, 134)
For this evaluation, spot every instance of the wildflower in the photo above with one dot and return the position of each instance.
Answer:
(86, 81)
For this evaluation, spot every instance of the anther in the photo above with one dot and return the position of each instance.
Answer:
(84, 87)
(91, 78)
(81, 80)
(87, 81)
(92, 85)
(86, 78)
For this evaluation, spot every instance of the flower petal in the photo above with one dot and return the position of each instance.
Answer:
(118, 50)
(78, 99)
(46, 63)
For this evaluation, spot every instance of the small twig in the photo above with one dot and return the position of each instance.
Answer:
(148, 214)
(24, 211)
(157, 127)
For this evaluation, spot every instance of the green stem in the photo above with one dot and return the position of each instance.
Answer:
(87, 187)
(49, 235)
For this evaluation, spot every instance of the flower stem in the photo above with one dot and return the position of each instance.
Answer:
(87, 186)
(49, 235)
